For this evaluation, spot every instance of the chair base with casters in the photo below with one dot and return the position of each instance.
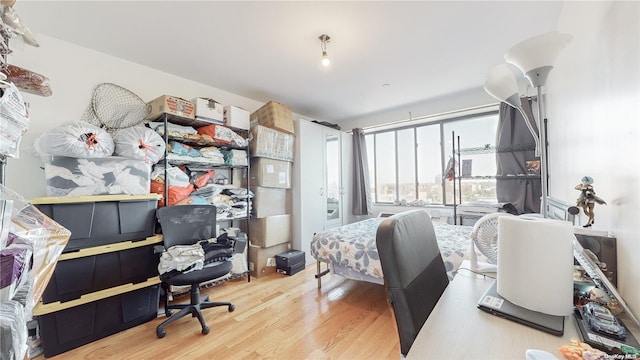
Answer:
(190, 225)
(197, 302)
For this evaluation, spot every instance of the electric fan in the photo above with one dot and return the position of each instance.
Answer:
(484, 237)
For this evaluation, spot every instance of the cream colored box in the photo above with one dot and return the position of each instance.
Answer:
(262, 261)
(170, 105)
(274, 115)
(270, 201)
(209, 110)
(269, 231)
(270, 173)
(236, 117)
(271, 143)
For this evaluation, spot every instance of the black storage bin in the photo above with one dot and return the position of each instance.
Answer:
(105, 267)
(291, 270)
(289, 258)
(102, 219)
(73, 327)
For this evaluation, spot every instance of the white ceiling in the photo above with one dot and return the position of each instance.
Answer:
(269, 50)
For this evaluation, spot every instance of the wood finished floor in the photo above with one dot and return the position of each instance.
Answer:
(276, 317)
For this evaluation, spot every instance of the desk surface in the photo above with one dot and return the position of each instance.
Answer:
(457, 329)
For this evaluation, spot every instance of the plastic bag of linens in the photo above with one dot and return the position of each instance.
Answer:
(42, 237)
(32, 247)
(140, 143)
(77, 140)
(14, 120)
(13, 330)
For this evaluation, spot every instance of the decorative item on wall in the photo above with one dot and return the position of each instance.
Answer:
(588, 199)
(324, 39)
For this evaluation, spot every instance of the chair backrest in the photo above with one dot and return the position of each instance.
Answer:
(186, 224)
(414, 274)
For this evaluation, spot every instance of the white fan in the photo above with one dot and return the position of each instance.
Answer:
(484, 237)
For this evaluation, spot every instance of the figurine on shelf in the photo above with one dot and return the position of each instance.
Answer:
(588, 199)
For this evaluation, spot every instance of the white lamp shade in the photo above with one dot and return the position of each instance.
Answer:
(535, 56)
(501, 84)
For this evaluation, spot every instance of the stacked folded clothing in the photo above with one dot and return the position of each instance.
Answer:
(235, 158)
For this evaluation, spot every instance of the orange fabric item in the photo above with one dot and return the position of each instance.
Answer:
(211, 131)
(176, 193)
(203, 179)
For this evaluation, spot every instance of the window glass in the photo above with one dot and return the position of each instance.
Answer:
(370, 140)
(406, 165)
(476, 139)
(429, 164)
(385, 163)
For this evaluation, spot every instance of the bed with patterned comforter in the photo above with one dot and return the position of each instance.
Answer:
(350, 250)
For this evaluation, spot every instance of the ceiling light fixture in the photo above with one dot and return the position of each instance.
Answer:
(324, 39)
(535, 58)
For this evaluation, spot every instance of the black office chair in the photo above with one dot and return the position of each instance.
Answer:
(187, 225)
(414, 274)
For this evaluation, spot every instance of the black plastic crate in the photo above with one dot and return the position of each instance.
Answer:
(73, 327)
(289, 258)
(103, 219)
(105, 267)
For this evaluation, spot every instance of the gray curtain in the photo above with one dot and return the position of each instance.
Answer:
(361, 189)
(515, 147)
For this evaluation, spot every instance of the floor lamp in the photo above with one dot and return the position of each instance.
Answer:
(534, 57)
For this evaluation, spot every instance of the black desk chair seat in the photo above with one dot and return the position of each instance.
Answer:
(187, 225)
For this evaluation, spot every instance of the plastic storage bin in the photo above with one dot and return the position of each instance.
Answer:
(98, 268)
(112, 175)
(101, 220)
(115, 310)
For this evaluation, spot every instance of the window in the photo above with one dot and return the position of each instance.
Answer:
(407, 164)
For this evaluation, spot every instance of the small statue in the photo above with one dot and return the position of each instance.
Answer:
(588, 199)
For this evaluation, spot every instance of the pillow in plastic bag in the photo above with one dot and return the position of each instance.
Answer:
(139, 143)
(75, 139)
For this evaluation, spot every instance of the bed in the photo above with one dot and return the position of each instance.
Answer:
(350, 250)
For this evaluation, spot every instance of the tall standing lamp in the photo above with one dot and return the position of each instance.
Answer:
(534, 57)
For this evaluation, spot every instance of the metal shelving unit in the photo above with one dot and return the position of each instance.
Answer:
(203, 166)
(458, 152)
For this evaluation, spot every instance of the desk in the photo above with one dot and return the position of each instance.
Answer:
(457, 329)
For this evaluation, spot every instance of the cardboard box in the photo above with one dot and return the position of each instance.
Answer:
(270, 173)
(208, 110)
(274, 115)
(236, 117)
(262, 261)
(271, 143)
(270, 201)
(173, 106)
(269, 231)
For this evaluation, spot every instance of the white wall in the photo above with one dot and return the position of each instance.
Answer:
(74, 72)
(594, 123)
